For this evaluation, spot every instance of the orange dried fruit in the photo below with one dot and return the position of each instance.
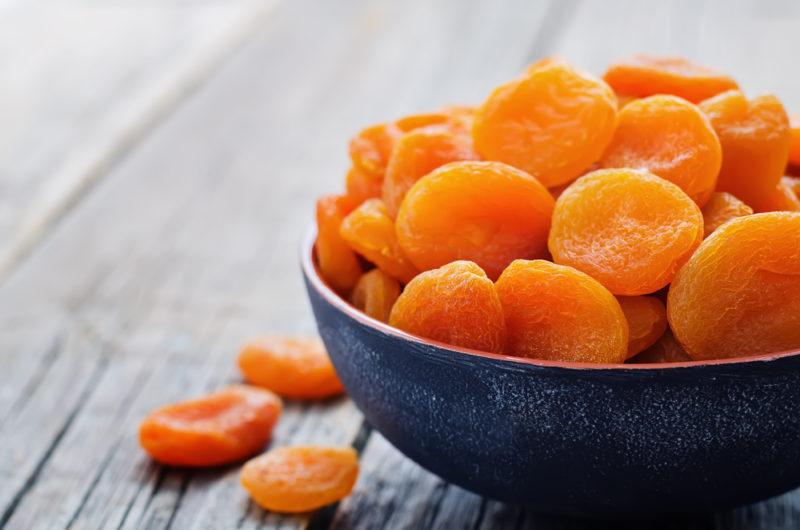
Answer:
(665, 350)
(216, 429)
(671, 138)
(721, 208)
(794, 145)
(455, 304)
(371, 232)
(782, 198)
(553, 122)
(644, 75)
(296, 368)
(647, 321)
(739, 294)
(371, 148)
(628, 229)
(486, 212)
(558, 313)
(361, 186)
(375, 294)
(418, 153)
(338, 264)
(300, 478)
(755, 137)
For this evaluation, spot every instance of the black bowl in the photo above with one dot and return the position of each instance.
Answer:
(571, 438)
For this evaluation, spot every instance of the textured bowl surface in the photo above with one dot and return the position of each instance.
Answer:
(570, 438)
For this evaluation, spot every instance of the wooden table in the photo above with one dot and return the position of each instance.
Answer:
(158, 164)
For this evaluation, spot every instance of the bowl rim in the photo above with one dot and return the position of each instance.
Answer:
(311, 272)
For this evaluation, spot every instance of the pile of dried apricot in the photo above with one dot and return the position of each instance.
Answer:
(649, 216)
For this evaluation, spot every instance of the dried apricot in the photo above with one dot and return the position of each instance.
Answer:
(782, 198)
(300, 478)
(418, 153)
(794, 146)
(558, 313)
(721, 208)
(371, 148)
(755, 145)
(739, 294)
(665, 350)
(647, 321)
(646, 75)
(553, 122)
(671, 138)
(295, 368)
(216, 429)
(375, 294)
(371, 232)
(455, 115)
(338, 264)
(486, 212)
(361, 186)
(627, 228)
(456, 304)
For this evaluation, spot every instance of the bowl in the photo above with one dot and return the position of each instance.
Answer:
(571, 438)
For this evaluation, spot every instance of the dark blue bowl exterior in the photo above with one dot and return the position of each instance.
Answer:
(596, 442)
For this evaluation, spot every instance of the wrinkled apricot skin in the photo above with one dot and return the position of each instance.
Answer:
(553, 122)
(360, 186)
(739, 294)
(755, 138)
(338, 264)
(647, 321)
(300, 478)
(418, 153)
(371, 148)
(455, 304)
(665, 350)
(558, 313)
(375, 294)
(721, 208)
(646, 75)
(371, 232)
(628, 229)
(220, 428)
(291, 367)
(486, 212)
(671, 138)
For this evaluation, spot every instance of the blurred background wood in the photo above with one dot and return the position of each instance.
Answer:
(158, 166)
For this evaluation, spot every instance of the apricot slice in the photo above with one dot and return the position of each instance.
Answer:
(455, 304)
(553, 122)
(337, 263)
(300, 478)
(647, 321)
(418, 153)
(558, 313)
(296, 368)
(371, 232)
(739, 294)
(361, 186)
(486, 212)
(216, 429)
(721, 208)
(755, 145)
(671, 138)
(644, 75)
(665, 350)
(371, 148)
(375, 294)
(628, 229)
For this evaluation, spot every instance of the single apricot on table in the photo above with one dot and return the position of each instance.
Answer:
(739, 294)
(300, 478)
(647, 321)
(220, 428)
(558, 313)
(486, 212)
(455, 304)
(721, 208)
(296, 368)
(375, 294)
(628, 229)
(337, 262)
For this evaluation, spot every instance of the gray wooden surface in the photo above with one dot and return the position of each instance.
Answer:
(158, 166)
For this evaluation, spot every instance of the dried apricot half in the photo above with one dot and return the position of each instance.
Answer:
(665, 350)
(721, 208)
(216, 429)
(300, 478)
(360, 186)
(644, 75)
(647, 321)
(337, 262)
(794, 146)
(628, 229)
(558, 313)
(375, 294)
(553, 122)
(486, 212)
(739, 294)
(671, 138)
(296, 368)
(371, 148)
(456, 304)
